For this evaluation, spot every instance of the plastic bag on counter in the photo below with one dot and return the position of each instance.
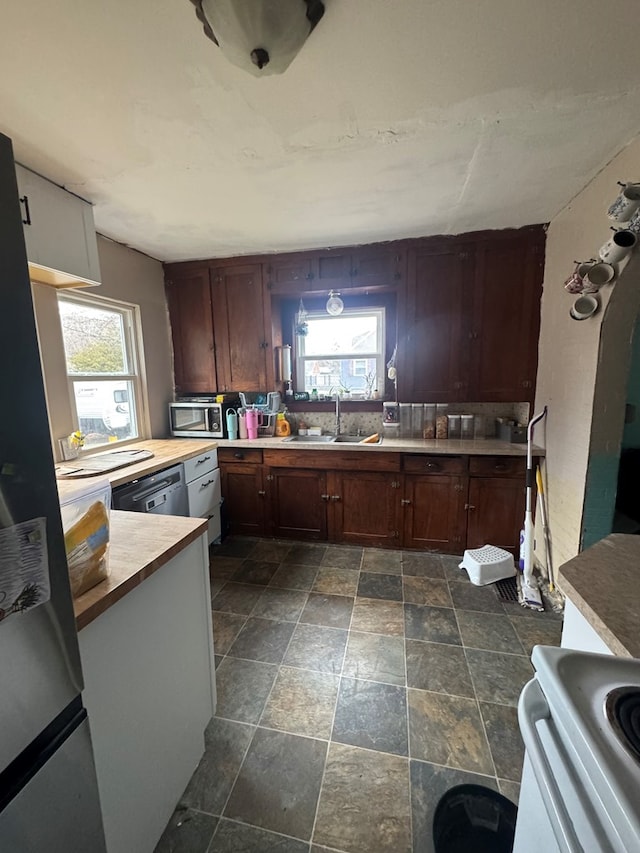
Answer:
(86, 525)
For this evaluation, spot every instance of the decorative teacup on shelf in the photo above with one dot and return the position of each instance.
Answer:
(627, 203)
(575, 282)
(596, 276)
(618, 246)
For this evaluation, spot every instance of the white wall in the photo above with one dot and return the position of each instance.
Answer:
(582, 425)
(131, 277)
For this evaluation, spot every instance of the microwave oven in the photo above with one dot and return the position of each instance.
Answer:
(198, 419)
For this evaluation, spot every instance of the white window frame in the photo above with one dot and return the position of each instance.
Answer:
(379, 356)
(132, 332)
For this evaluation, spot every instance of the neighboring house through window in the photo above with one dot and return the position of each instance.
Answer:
(343, 354)
(103, 367)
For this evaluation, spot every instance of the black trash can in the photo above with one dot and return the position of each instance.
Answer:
(474, 818)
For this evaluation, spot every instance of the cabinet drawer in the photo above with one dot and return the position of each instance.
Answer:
(434, 464)
(497, 466)
(199, 465)
(336, 460)
(230, 454)
(204, 495)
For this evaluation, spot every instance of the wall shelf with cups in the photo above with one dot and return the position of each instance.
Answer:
(589, 276)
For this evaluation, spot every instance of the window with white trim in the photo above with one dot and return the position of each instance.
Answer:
(343, 354)
(101, 348)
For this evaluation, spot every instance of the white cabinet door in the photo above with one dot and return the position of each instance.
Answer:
(60, 236)
(205, 498)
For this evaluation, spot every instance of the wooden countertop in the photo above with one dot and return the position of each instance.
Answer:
(602, 582)
(166, 452)
(140, 544)
(484, 447)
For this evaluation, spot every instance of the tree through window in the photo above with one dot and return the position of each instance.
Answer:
(102, 367)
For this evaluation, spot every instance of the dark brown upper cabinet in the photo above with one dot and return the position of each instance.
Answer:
(189, 301)
(470, 318)
(432, 346)
(289, 275)
(356, 269)
(467, 324)
(240, 323)
(505, 320)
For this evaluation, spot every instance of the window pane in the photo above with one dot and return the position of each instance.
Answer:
(329, 376)
(341, 335)
(105, 410)
(94, 339)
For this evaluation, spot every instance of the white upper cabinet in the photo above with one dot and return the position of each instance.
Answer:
(60, 236)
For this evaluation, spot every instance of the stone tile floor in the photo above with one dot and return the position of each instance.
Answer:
(355, 686)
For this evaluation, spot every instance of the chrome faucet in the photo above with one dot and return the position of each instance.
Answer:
(337, 414)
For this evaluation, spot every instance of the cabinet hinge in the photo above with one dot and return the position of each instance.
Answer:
(458, 487)
(269, 477)
(396, 534)
(395, 484)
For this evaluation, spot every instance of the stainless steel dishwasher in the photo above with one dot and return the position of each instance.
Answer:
(163, 493)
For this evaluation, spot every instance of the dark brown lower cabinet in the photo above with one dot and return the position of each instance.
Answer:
(436, 503)
(434, 516)
(245, 497)
(363, 507)
(298, 501)
(496, 512)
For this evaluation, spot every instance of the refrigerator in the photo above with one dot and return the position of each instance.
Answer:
(48, 791)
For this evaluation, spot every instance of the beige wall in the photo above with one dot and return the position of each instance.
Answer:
(571, 354)
(131, 277)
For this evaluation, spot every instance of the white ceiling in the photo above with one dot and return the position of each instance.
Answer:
(398, 118)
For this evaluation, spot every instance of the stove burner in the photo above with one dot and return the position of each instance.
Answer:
(622, 707)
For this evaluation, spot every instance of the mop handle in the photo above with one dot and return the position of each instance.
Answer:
(531, 475)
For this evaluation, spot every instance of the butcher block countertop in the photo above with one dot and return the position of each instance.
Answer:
(140, 544)
(166, 452)
(602, 582)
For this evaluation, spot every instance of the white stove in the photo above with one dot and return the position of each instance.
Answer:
(580, 721)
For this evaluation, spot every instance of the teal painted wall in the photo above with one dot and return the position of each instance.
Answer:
(631, 434)
(600, 498)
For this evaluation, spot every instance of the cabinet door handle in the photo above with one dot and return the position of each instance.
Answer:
(261, 492)
(469, 506)
(324, 497)
(204, 459)
(27, 213)
(405, 502)
(335, 497)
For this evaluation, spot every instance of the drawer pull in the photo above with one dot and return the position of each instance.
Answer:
(204, 459)
(208, 483)
(434, 466)
(238, 455)
(500, 466)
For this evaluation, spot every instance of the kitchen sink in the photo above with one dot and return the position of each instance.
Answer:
(327, 439)
(316, 439)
